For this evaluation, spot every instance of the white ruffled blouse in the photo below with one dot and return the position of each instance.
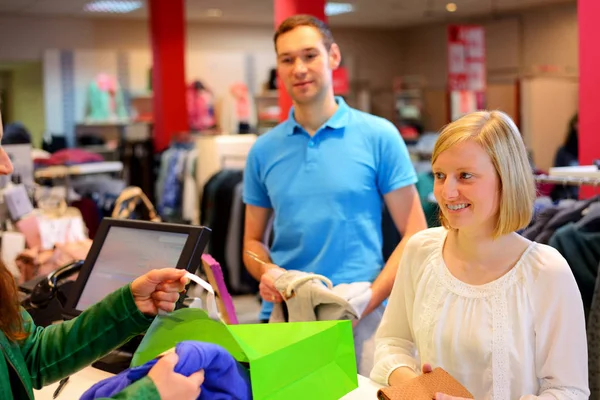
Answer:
(521, 336)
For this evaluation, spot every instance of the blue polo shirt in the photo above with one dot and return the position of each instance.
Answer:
(326, 192)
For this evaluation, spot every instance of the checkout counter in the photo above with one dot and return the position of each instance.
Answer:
(139, 244)
(84, 379)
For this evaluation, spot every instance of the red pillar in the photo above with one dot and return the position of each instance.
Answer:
(167, 31)
(283, 10)
(589, 83)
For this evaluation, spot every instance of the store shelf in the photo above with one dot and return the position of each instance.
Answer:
(584, 171)
(267, 110)
(59, 171)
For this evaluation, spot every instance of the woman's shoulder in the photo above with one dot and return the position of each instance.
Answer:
(550, 281)
(428, 237)
(546, 263)
(425, 241)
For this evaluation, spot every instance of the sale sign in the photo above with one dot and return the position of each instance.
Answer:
(466, 58)
(466, 64)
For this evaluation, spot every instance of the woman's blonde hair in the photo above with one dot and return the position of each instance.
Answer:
(498, 135)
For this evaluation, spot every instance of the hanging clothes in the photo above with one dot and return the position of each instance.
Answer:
(424, 187)
(541, 219)
(191, 195)
(105, 99)
(200, 103)
(172, 191)
(593, 337)
(216, 205)
(573, 228)
(563, 217)
(177, 195)
(582, 252)
(238, 112)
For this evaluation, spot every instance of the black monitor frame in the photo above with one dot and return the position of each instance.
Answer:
(190, 258)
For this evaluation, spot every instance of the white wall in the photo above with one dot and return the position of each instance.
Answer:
(549, 104)
(26, 38)
(372, 56)
(518, 46)
(515, 45)
(551, 37)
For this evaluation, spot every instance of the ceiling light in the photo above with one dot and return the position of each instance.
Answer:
(451, 7)
(112, 6)
(214, 12)
(338, 8)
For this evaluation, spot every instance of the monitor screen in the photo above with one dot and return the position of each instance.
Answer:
(20, 155)
(127, 254)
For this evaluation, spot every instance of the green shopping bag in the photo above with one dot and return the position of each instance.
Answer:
(297, 360)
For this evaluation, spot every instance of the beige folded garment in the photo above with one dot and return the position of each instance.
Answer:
(425, 387)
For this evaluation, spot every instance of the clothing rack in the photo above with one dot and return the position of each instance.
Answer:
(568, 180)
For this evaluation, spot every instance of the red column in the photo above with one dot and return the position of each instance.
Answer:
(283, 10)
(167, 31)
(589, 84)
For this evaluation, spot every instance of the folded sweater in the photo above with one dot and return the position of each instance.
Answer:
(224, 377)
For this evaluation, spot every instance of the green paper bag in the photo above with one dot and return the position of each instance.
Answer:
(296, 360)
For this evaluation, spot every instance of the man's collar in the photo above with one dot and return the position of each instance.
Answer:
(337, 121)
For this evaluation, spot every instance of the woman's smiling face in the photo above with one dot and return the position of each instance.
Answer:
(467, 187)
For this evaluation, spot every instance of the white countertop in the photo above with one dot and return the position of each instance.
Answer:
(84, 379)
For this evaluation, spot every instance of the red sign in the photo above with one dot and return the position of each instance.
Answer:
(466, 58)
(341, 83)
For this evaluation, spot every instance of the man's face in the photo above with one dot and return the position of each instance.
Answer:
(6, 167)
(304, 65)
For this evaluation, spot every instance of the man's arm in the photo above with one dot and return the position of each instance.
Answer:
(405, 208)
(255, 225)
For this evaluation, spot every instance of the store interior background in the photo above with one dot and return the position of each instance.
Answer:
(531, 52)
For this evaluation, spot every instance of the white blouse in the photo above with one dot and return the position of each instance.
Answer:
(521, 336)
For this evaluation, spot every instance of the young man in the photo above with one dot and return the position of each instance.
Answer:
(323, 173)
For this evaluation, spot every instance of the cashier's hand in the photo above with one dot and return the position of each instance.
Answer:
(159, 289)
(267, 284)
(172, 385)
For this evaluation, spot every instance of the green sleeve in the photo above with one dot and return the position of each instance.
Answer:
(57, 351)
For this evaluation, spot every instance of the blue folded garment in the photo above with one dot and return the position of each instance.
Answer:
(224, 377)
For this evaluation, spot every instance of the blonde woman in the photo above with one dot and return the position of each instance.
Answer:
(501, 314)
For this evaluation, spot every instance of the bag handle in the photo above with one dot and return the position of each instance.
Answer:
(200, 282)
(136, 193)
(211, 300)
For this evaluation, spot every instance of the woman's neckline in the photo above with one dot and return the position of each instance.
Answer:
(468, 289)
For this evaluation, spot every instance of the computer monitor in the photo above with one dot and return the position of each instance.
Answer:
(126, 249)
(20, 155)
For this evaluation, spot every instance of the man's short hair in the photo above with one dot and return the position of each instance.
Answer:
(498, 135)
(305, 20)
